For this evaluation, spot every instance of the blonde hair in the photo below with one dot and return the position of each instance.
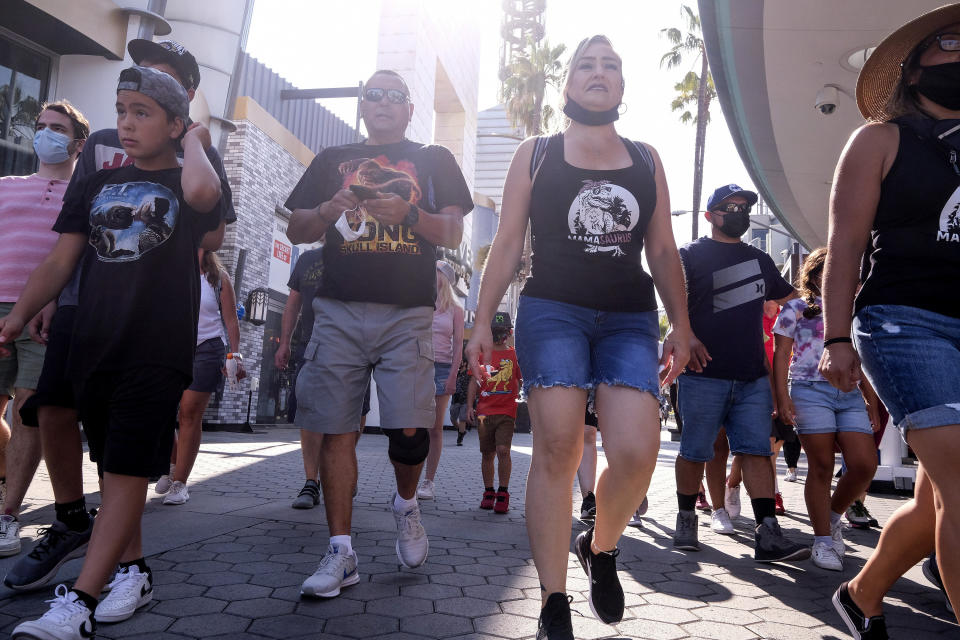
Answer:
(578, 53)
(212, 267)
(446, 298)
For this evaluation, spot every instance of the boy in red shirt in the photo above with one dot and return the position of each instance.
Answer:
(496, 413)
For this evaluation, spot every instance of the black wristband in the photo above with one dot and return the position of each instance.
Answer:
(827, 343)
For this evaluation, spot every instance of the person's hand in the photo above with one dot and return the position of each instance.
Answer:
(10, 329)
(699, 356)
(450, 387)
(840, 366)
(241, 372)
(873, 411)
(282, 357)
(472, 416)
(39, 327)
(676, 354)
(479, 350)
(332, 209)
(200, 133)
(390, 209)
(785, 410)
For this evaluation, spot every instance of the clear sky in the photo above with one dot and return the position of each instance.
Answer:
(322, 43)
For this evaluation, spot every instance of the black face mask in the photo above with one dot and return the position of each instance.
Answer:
(734, 224)
(578, 113)
(941, 84)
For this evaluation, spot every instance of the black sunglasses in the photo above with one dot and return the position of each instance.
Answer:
(732, 207)
(394, 96)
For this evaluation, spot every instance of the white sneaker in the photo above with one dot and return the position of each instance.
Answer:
(9, 536)
(731, 500)
(825, 556)
(336, 570)
(427, 491)
(720, 522)
(836, 533)
(636, 520)
(163, 484)
(178, 493)
(790, 475)
(412, 542)
(129, 591)
(67, 619)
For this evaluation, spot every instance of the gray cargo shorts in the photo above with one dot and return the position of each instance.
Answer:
(351, 340)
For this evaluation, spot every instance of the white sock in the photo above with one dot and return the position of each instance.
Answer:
(776, 484)
(834, 518)
(401, 504)
(342, 542)
(824, 539)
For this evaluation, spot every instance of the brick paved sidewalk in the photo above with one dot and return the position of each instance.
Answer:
(230, 562)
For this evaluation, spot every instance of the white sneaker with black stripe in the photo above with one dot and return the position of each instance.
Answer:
(66, 619)
(129, 591)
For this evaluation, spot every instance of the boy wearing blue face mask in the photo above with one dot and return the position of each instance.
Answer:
(29, 206)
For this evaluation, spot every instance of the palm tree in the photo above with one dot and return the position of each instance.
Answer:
(525, 82)
(691, 90)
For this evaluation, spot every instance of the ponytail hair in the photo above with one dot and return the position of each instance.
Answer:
(809, 280)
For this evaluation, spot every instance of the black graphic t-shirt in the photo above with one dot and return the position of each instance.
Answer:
(587, 228)
(305, 280)
(913, 257)
(387, 264)
(727, 284)
(140, 288)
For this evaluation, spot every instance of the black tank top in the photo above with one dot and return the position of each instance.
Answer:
(913, 257)
(587, 227)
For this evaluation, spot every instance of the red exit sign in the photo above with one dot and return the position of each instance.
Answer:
(281, 251)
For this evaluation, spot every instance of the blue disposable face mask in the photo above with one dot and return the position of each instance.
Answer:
(51, 147)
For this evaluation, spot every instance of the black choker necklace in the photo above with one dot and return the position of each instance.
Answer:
(578, 113)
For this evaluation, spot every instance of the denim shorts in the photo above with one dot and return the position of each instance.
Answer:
(208, 360)
(441, 371)
(566, 345)
(822, 408)
(706, 404)
(911, 357)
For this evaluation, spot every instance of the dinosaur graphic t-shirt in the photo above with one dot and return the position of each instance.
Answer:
(498, 395)
(140, 289)
(389, 264)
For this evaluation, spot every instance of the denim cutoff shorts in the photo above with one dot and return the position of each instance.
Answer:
(566, 345)
(911, 357)
(441, 371)
(822, 408)
(706, 404)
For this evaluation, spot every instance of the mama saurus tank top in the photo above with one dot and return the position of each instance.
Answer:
(587, 227)
(913, 257)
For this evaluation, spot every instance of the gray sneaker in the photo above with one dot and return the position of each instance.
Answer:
(57, 545)
(773, 546)
(685, 535)
(412, 543)
(309, 496)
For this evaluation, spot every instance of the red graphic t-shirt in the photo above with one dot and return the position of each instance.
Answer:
(498, 395)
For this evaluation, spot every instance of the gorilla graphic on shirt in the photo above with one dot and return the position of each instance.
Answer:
(601, 216)
(128, 220)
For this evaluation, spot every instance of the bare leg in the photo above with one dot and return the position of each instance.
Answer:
(407, 475)
(436, 438)
(757, 476)
(4, 435)
(192, 406)
(504, 466)
(62, 452)
(338, 472)
(688, 476)
(486, 468)
(310, 447)
(717, 470)
(23, 456)
(736, 472)
(860, 452)
(816, 492)
(587, 471)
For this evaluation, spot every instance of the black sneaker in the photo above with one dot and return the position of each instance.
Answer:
(57, 545)
(606, 594)
(554, 623)
(588, 508)
(932, 573)
(860, 626)
(685, 534)
(309, 496)
(460, 438)
(773, 546)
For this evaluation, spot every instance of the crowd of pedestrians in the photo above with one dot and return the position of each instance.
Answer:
(755, 362)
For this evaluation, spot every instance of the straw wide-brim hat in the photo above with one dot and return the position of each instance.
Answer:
(881, 71)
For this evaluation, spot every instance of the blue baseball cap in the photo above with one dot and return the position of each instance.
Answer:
(728, 191)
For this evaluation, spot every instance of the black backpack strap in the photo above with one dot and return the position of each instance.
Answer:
(539, 152)
(646, 156)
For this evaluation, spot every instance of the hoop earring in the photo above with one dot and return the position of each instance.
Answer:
(622, 108)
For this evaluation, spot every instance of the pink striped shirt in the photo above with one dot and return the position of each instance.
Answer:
(29, 205)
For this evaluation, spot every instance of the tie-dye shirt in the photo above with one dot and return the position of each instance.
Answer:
(807, 336)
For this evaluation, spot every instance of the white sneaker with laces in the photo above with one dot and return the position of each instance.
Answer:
(790, 476)
(178, 493)
(836, 533)
(336, 570)
(67, 619)
(636, 520)
(427, 490)
(731, 501)
(163, 484)
(129, 591)
(412, 542)
(825, 556)
(9, 536)
(720, 522)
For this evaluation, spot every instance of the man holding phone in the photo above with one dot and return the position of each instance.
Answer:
(374, 309)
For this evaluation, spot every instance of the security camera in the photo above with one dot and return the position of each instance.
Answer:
(826, 102)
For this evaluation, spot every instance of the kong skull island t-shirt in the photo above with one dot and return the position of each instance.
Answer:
(388, 264)
(140, 288)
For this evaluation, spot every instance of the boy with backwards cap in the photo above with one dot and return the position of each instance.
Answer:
(136, 230)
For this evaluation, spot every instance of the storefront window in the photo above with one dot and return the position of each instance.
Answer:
(24, 77)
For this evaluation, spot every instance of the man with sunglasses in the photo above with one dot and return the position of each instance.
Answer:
(726, 383)
(385, 205)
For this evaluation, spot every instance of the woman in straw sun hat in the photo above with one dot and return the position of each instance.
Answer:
(894, 219)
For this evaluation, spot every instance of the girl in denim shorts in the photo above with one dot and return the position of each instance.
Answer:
(823, 415)
(587, 319)
(894, 223)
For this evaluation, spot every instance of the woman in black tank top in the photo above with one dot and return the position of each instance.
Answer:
(587, 320)
(895, 197)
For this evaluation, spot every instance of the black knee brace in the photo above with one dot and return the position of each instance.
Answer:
(408, 450)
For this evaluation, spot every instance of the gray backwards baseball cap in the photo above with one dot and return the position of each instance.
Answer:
(158, 85)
